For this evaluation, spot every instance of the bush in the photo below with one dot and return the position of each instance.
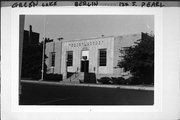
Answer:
(139, 60)
(53, 77)
(105, 80)
(133, 81)
(118, 80)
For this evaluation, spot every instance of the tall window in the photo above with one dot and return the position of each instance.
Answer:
(102, 57)
(52, 59)
(69, 58)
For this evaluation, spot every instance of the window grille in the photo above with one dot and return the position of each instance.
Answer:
(69, 58)
(102, 57)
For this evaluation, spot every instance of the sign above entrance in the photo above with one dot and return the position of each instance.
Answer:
(85, 43)
(85, 55)
(85, 48)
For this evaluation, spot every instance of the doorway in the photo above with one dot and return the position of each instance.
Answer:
(85, 66)
(85, 61)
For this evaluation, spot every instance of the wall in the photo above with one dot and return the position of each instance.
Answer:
(49, 48)
(93, 45)
(112, 44)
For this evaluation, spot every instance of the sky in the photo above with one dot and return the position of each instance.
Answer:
(72, 27)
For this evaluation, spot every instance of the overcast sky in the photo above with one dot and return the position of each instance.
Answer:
(87, 26)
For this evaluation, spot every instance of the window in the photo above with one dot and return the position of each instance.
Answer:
(102, 57)
(52, 59)
(69, 58)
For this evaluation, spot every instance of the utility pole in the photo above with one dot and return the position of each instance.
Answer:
(61, 38)
(42, 69)
(46, 40)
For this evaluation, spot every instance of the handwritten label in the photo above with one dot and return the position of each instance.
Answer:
(142, 4)
(152, 4)
(34, 4)
(25, 4)
(89, 3)
(132, 3)
(52, 3)
(86, 3)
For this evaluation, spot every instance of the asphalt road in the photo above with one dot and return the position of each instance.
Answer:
(43, 94)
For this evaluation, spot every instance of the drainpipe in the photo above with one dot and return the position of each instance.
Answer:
(54, 60)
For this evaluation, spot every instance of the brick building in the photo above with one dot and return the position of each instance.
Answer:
(30, 37)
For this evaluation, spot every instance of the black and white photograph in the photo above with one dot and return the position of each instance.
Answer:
(86, 60)
(101, 62)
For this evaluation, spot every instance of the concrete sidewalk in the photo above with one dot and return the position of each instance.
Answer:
(133, 87)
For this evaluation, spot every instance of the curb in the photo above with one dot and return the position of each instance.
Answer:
(91, 85)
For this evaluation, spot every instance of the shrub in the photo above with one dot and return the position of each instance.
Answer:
(139, 60)
(53, 77)
(118, 80)
(105, 80)
(133, 81)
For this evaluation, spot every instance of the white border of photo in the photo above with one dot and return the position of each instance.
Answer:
(10, 67)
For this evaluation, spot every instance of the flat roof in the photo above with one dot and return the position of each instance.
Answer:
(99, 37)
(87, 39)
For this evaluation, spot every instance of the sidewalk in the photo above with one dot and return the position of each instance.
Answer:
(133, 87)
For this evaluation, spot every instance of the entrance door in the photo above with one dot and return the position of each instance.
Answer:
(85, 66)
(85, 61)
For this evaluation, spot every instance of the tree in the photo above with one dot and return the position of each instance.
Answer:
(139, 60)
(32, 61)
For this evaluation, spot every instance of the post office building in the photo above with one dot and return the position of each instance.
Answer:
(93, 55)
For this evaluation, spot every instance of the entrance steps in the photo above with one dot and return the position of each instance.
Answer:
(81, 77)
(75, 78)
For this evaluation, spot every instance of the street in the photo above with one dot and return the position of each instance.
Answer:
(44, 94)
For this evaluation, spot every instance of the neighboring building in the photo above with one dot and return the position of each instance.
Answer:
(31, 53)
(30, 37)
(95, 55)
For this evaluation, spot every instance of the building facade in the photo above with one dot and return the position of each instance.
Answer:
(94, 55)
